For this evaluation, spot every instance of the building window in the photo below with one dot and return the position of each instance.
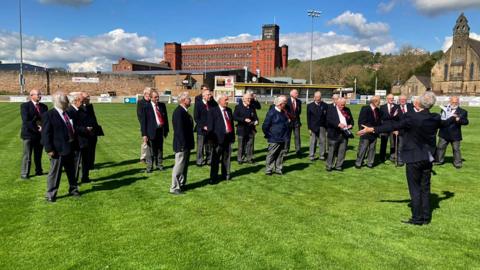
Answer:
(445, 72)
(471, 71)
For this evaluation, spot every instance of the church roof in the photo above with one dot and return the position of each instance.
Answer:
(425, 80)
(475, 44)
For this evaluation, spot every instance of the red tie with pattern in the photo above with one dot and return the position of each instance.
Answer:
(227, 119)
(345, 114)
(403, 108)
(159, 115)
(375, 114)
(70, 129)
(37, 109)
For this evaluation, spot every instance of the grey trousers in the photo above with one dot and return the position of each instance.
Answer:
(143, 151)
(180, 169)
(55, 173)
(204, 150)
(245, 148)
(296, 135)
(336, 149)
(401, 141)
(221, 158)
(442, 148)
(366, 147)
(274, 162)
(30, 146)
(318, 139)
(154, 153)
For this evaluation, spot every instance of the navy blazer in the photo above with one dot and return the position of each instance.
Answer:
(140, 105)
(200, 113)
(316, 116)
(393, 115)
(182, 124)
(276, 126)
(333, 131)
(453, 132)
(31, 119)
(148, 123)
(216, 126)
(367, 118)
(294, 115)
(55, 137)
(240, 114)
(420, 134)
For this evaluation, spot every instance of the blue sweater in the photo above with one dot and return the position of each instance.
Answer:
(276, 126)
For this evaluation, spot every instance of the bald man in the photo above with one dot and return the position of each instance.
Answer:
(31, 113)
(451, 134)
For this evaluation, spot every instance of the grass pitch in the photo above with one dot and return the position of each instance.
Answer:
(305, 219)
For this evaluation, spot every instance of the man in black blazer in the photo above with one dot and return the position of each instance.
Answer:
(183, 143)
(246, 117)
(403, 109)
(77, 113)
(140, 109)
(294, 109)
(200, 112)
(420, 131)
(254, 102)
(154, 126)
(339, 124)
(95, 131)
(389, 112)
(317, 124)
(31, 113)
(451, 134)
(59, 137)
(220, 123)
(369, 116)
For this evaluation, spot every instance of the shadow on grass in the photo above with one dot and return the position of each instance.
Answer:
(247, 170)
(119, 174)
(109, 164)
(114, 184)
(195, 185)
(295, 167)
(435, 200)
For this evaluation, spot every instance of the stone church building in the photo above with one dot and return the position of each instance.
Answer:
(458, 72)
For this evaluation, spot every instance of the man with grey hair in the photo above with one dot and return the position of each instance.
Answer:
(317, 124)
(59, 139)
(78, 115)
(389, 112)
(183, 143)
(31, 113)
(369, 116)
(140, 109)
(420, 130)
(220, 124)
(200, 114)
(339, 123)
(246, 117)
(451, 134)
(294, 109)
(276, 128)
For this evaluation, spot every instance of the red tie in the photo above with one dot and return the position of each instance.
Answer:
(375, 114)
(206, 106)
(227, 119)
(159, 115)
(345, 114)
(294, 104)
(37, 108)
(403, 108)
(70, 129)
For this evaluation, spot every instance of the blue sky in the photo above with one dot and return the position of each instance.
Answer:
(91, 34)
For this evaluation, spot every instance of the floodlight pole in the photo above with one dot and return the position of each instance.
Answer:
(21, 79)
(313, 14)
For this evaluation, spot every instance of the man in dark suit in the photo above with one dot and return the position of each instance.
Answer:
(276, 128)
(78, 115)
(317, 123)
(451, 134)
(254, 102)
(403, 109)
(294, 109)
(200, 112)
(59, 139)
(420, 131)
(31, 113)
(339, 124)
(369, 116)
(140, 109)
(183, 143)
(154, 126)
(220, 123)
(389, 112)
(246, 117)
(95, 131)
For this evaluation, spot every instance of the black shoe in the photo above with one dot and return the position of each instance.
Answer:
(339, 169)
(279, 172)
(75, 193)
(39, 173)
(426, 221)
(240, 162)
(51, 200)
(268, 173)
(24, 177)
(411, 222)
(85, 181)
(358, 167)
(212, 182)
(437, 163)
(312, 159)
(328, 169)
(148, 171)
(457, 166)
(177, 192)
(370, 166)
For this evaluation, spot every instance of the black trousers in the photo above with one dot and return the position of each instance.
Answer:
(384, 138)
(220, 155)
(418, 178)
(155, 151)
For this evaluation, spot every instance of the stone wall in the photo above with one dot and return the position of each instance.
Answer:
(121, 84)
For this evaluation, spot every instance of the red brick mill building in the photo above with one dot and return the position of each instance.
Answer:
(264, 56)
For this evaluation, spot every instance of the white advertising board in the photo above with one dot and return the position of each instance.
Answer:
(85, 80)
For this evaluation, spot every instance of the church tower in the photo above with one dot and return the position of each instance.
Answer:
(461, 32)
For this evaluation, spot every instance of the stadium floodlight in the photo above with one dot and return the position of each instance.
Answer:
(313, 14)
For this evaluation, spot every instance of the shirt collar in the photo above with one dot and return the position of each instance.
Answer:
(60, 111)
(277, 109)
(183, 107)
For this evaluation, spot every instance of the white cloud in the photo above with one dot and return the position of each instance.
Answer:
(228, 39)
(386, 7)
(76, 3)
(359, 25)
(435, 7)
(447, 43)
(387, 48)
(84, 53)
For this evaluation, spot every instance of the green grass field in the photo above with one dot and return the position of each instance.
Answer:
(305, 219)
